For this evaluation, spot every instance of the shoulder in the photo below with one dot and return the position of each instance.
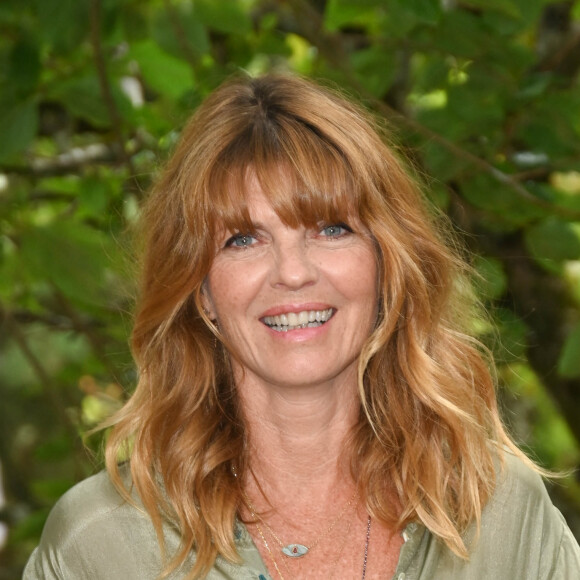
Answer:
(522, 536)
(87, 503)
(522, 528)
(518, 483)
(91, 520)
(520, 501)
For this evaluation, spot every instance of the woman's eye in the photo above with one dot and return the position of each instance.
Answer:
(335, 230)
(240, 241)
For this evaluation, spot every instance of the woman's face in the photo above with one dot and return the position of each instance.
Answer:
(296, 304)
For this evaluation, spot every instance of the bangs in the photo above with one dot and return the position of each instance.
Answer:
(306, 179)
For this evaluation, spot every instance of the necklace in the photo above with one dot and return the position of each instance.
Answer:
(298, 550)
(364, 572)
(365, 560)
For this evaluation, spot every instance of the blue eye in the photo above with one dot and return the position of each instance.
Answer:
(335, 230)
(240, 241)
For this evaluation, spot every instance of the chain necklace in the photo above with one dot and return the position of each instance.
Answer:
(299, 550)
(336, 559)
(364, 571)
(365, 560)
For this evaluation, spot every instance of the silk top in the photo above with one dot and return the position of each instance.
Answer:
(92, 534)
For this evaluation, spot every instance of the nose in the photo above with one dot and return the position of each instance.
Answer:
(293, 266)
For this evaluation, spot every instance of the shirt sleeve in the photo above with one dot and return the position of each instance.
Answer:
(92, 534)
(567, 562)
(39, 567)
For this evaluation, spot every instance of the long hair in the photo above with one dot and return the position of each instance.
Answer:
(428, 431)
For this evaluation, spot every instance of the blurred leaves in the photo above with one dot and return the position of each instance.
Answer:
(483, 95)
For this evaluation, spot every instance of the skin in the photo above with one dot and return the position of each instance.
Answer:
(299, 388)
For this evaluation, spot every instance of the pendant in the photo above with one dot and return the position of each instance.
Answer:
(295, 550)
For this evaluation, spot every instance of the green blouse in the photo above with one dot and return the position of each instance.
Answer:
(92, 534)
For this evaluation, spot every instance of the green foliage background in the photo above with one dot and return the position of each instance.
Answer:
(482, 95)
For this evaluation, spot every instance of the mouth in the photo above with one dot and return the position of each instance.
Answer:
(298, 320)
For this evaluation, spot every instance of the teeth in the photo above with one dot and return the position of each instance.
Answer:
(294, 320)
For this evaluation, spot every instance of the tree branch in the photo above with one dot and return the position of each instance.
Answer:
(106, 92)
(181, 35)
(51, 390)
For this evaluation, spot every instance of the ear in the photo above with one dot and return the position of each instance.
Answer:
(206, 302)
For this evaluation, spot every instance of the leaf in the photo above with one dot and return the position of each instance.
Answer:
(425, 11)
(18, 128)
(339, 13)
(461, 34)
(554, 240)
(63, 24)
(226, 16)
(82, 97)
(94, 197)
(300, 54)
(441, 162)
(70, 256)
(193, 31)
(24, 70)
(376, 69)
(164, 73)
(508, 208)
(569, 361)
(402, 17)
(476, 109)
(430, 73)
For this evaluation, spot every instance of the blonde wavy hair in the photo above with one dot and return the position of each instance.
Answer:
(429, 428)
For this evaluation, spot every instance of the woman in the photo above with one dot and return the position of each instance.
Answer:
(309, 405)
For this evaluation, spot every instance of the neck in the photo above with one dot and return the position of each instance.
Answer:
(297, 435)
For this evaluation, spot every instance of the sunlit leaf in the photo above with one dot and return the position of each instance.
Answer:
(166, 74)
(339, 13)
(493, 281)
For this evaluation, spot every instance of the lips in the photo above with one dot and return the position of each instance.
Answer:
(287, 321)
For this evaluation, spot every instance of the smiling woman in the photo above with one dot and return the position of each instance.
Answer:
(310, 403)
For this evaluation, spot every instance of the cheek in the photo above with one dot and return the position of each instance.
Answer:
(230, 288)
(361, 276)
